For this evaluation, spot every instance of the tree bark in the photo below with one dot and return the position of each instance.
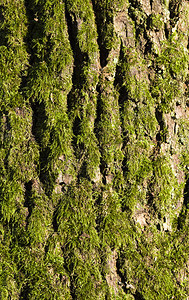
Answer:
(94, 139)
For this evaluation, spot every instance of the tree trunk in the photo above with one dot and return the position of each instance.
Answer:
(94, 139)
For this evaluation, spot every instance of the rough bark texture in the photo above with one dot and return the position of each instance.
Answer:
(94, 138)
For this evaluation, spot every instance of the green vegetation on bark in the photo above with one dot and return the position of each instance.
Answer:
(94, 140)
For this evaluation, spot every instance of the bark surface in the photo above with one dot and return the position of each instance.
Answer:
(94, 139)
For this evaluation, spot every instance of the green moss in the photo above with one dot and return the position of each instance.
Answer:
(77, 160)
(114, 225)
(87, 35)
(80, 242)
(47, 88)
(104, 11)
(11, 192)
(146, 272)
(138, 15)
(155, 22)
(109, 131)
(166, 189)
(171, 70)
(13, 54)
(183, 132)
(138, 125)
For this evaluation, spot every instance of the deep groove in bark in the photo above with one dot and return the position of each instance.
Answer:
(24, 295)
(101, 24)
(135, 4)
(38, 127)
(121, 276)
(28, 202)
(31, 24)
(99, 111)
(3, 31)
(138, 296)
(78, 79)
(161, 135)
(174, 7)
(123, 97)
(39, 116)
(80, 58)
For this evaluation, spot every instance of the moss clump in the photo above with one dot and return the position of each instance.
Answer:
(75, 218)
(138, 125)
(155, 22)
(83, 97)
(166, 190)
(13, 54)
(152, 266)
(171, 67)
(47, 88)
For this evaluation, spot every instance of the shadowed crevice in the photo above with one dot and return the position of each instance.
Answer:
(54, 221)
(38, 44)
(119, 85)
(122, 277)
(4, 31)
(80, 59)
(29, 203)
(24, 295)
(161, 135)
(135, 6)
(97, 130)
(105, 29)
(138, 296)
(39, 121)
(39, 118)
(174, 8)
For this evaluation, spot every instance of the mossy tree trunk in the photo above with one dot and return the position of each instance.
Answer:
(94, 159)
